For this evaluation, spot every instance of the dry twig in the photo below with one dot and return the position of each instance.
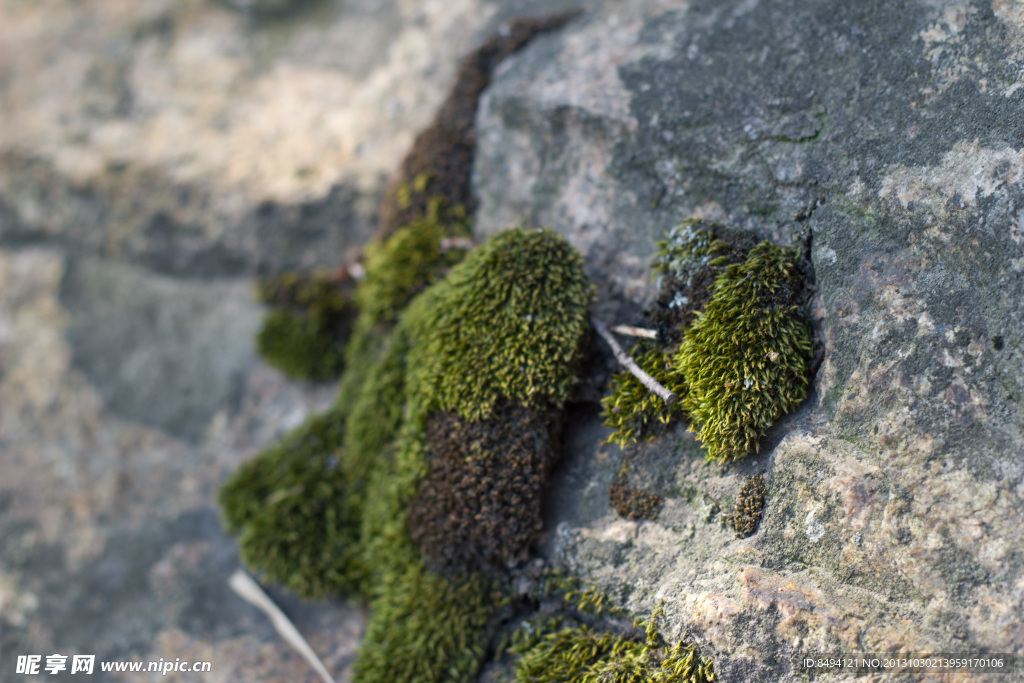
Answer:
(625, 361)
(251, 592)
(630, 331)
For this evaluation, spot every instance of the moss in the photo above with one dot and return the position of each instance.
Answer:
(424, 627)
(749, 507)
(745, 357)
(451, 339)
(633, 410)
(687, 263)
(490, 344)
(440, 163)
(304, 336)
(582, 655)
(479, 507)
(508, 322)
(287, 505)
(632, 503)
(405, 264)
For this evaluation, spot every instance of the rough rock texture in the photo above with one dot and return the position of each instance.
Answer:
(893, 133)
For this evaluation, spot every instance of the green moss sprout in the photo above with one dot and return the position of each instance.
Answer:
(745, 357)
(405, 264)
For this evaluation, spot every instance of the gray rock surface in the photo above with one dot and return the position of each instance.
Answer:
(894, 134)
(156, 154)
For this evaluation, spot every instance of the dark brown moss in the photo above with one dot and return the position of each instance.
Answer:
(479, 507)
(633, 503)
(749, 507)
(670, 316)
(441, 159)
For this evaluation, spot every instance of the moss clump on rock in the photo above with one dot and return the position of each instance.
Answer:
(287, 506)
(631, 409)
(749, 507)
(304, 335)
(519, 298)
(732, 342)
(745, 357)
(687, 262)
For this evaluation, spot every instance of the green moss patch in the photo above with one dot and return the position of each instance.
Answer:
(508, 322)
(745, 357)
(425, 627)
(405, 264)
(304, 335)
(583, 655)
(287, 506)
(631, 409)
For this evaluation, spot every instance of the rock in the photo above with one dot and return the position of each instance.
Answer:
(154, 155)
(891, 134)
(198, 140)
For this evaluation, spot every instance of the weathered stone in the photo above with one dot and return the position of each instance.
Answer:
(198, 140)
(148, 144)
(892, 134)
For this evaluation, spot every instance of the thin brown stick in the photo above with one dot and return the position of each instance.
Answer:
(625, 361)
(630, 331)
